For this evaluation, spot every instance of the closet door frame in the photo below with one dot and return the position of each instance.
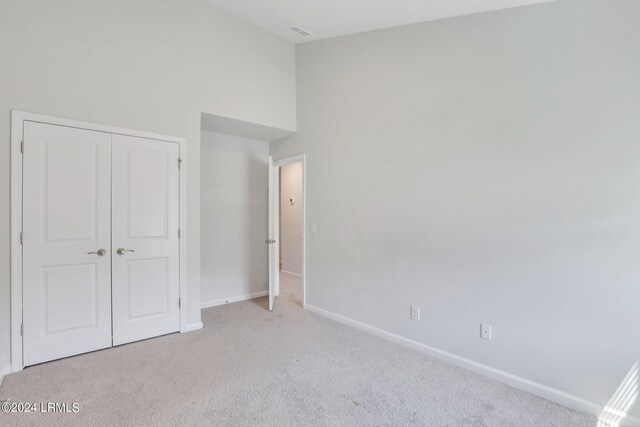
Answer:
(17, 129)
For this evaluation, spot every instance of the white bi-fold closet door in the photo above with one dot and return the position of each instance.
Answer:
(100, 240)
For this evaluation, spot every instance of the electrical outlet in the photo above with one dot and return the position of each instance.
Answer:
(415, 312)
(314, 229)
(204, 283)
(485, 331)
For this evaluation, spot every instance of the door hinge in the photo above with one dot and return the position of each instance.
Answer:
(179, 233)
(21, 237)
(179, 163)
(21, 329)
(22, 146)
(179, 302)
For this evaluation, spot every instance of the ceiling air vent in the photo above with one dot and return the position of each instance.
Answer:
(301, 31)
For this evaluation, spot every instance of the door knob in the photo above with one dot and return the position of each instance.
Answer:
(99, 252)
(121, 251)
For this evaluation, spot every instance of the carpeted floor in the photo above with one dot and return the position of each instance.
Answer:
(250, 367)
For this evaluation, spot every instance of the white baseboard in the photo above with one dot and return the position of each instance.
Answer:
(238, 298)
(192, 327)
(289, 273)
(549, 393)
(5, 370)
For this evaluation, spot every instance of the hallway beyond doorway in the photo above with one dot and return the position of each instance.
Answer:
(291, 287)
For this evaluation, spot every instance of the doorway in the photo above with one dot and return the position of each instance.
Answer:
(291, 241)
(98, 213)
(287, 218)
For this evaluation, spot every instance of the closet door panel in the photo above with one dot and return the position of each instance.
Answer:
(145, 208)
(66, 241)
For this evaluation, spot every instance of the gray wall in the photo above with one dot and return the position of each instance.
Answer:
(233, 205)
(153, 65)
(291, 217)
(485, 168)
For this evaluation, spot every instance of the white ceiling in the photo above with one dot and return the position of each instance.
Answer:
(331, 18)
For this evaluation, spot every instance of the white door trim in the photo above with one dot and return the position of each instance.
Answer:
(287, 161)
(17, 129)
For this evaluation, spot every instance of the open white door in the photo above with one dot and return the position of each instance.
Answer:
(274, 231)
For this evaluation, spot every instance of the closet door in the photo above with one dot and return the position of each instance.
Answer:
(66, 241)
(145, 239)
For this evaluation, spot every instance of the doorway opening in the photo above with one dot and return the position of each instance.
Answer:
(291, 240)
(287, 230)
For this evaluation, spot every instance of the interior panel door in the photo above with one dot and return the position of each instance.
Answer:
(274, 233)
(145, 241)
(66, 242)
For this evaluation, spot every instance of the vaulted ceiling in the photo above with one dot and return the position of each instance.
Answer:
(331, 18)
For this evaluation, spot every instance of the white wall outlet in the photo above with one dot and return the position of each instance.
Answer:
(415, 312)
(313, 228)
(204, 283)
(485, 331)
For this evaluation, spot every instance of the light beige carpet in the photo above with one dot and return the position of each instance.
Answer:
(252, 367)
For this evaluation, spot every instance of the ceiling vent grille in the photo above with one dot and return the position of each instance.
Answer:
(301, 31)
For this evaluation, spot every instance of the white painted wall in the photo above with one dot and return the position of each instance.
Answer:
(233, 220)
(153, 65)
(485, 168)
(291, 217)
